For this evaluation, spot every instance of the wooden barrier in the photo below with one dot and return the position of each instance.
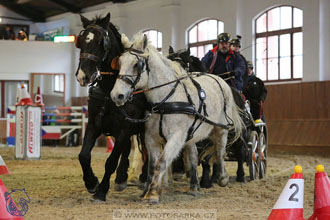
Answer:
(298, 115)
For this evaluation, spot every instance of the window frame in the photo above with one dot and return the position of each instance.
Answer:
(203, 43)
(278, 33)
(63, 85)
(147, 30)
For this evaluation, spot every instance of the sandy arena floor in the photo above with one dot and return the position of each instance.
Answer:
(56, 189)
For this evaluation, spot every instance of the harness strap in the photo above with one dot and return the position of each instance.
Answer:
(215, 54)
(108, 73)
(134, 120)
(89, 56)
(202, 96)
(157, 106)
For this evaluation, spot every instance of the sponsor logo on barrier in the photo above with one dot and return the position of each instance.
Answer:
(11, 206)
(30, 133)
(21, 131)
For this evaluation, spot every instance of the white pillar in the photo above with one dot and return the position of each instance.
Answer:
(171, 9)
(324, 40)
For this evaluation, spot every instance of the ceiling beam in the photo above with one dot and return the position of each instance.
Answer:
(70, 7)
(33, 15)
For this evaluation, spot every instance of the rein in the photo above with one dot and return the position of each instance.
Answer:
(165, 84)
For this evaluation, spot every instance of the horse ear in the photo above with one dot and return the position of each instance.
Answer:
(188, 50)
(145, 41)
(105, 21)
(186, 53)
(125, 41)
(170, 50)
(85, 21)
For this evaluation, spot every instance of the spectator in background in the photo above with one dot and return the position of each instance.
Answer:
(7, 33)
(22, 35)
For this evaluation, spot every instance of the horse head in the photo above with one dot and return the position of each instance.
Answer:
(133, 65)
(181, 56)
(188, 62)
(99, 42)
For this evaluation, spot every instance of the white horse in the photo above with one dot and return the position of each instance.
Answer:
(143, 67)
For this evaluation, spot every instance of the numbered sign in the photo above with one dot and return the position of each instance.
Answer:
(292, 196)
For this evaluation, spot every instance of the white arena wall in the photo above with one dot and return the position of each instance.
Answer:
(172, 18)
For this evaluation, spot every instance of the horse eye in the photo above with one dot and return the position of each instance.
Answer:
(135, 66)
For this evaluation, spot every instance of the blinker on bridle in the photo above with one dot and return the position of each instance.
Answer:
(139, 68)
(106, 44)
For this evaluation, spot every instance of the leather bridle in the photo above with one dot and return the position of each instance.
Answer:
(99, 60)
(139, 68)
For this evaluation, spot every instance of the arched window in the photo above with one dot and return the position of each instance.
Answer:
(155, 37)
(279, 44)
(203, 35)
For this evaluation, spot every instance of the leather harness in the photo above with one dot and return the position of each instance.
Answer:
(188, 108)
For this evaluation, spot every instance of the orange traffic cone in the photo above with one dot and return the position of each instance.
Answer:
(38, 98)
(3, 168)
(110, 144)
(290, 204)
(7, 205)
(321, 195)
(25, 98)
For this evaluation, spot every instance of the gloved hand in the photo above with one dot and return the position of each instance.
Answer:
(232, 73)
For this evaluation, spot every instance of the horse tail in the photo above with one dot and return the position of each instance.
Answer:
(238, 124)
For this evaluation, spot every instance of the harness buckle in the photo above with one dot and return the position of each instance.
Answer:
(130, 98)
(98, 75)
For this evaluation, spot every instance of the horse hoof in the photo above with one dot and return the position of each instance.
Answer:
(213, 180)
(99, 197)
(141, 186)
(194, 190)
(152, 197)
(93, 190)
(120, 187)
(223, 181)
(151, 200)
(240, 179)
(178, 176)
(205, 184)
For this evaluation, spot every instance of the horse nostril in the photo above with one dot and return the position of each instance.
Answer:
(120, 97)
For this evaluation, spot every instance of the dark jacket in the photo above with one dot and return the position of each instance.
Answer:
(233, 62)
(254, 91)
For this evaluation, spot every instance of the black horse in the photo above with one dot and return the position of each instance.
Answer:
(100, 44)
(237, 151)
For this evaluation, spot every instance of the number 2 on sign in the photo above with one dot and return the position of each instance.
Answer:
(291, 198)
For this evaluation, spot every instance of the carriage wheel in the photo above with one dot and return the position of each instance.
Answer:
(253, 160)
(263, 155)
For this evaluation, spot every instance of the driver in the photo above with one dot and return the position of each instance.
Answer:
(223, 61)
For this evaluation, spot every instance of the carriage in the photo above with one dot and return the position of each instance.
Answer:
(256, 146)
(176, 130)
(255, 140)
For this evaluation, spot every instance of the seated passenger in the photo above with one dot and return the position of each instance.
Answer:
(256, 92)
